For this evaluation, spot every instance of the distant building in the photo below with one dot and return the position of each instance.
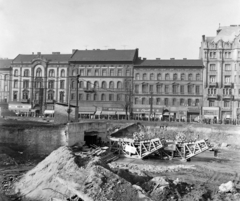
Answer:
(221, 57)
(168, 89)
(5, 77)
(38, 80)
(105, 82)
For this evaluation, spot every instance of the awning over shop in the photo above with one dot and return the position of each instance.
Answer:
(87, 110)
(121, 113)
(98, 112)
(49, 112)
(108, 113)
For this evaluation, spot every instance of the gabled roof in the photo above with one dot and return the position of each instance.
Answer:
(104, 55)
(5, 63)
(49, 57)
(170, 63)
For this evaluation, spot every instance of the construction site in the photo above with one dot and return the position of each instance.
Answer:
(124, 161)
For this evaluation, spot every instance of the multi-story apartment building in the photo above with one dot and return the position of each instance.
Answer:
(221, 57)
(105, 82)
(38, 80)
(5, 77)
(168, 88)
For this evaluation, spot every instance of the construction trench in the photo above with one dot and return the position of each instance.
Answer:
(137, 162)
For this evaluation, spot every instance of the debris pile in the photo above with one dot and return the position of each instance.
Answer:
(63, 174)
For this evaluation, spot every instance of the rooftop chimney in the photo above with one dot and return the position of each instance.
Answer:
(172, 58)
(158, 58)
(203, 38)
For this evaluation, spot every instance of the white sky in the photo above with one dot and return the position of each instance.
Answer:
(159, 28)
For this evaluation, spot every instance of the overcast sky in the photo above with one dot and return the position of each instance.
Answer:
(159, 28)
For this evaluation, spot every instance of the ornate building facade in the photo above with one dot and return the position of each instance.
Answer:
(168, 89)
(38, 81)
(221, 57)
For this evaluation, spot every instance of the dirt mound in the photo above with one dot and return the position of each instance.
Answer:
(62, 175)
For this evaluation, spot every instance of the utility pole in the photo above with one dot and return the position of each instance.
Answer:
(151, 104)
(77, 109)
(69, 93)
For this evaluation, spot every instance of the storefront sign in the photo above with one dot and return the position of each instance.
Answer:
(19, 107)
(147, 110)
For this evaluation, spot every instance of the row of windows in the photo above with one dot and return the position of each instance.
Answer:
(51, 73)
(213, 55)
(227, 79)
(212, 103)
(25, 95)
(167, 101)
(166, 88)
(227, 67)
(167, 76)
(96, 97)
(39, 84)
(98, 72)
(97, 84)
(226, 91)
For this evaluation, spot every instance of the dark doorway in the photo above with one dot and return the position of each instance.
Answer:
(90, 138)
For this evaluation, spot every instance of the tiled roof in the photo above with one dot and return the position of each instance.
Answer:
(227, 34)
(49, 57)
(104, 55)
(5, 63)
(170, 63)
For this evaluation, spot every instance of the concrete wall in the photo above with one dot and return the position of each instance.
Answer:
(61, 115)
(43, 139)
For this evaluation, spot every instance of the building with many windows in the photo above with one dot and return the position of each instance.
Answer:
(168, 89)
(5, 72)
(221, 57)
(105, 82)
(38, 81)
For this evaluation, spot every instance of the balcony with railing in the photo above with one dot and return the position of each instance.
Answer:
(213, 84)
(228, 84)
(227, 96)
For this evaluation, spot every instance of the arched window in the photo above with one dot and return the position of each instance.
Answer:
(96, 85)
(50, 95)
(6, 77)
(16, 72)
(111, 84)
(51, 73)
(39, 72)
(190, 76)
(25, 95)
(174, 102)
(151, 76)
(119, 85)
(167, 76)
(137, 76)
(88, 85)
(197, 102)
(198, 77)
(144, 76)
(95, 97)
(81, 84)
(159, 76)
(189, 102)
(104, 85)
(26, 73)
(175, 77)
(143, 101)
(103, 97)
(62, 73)
(182, 76)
